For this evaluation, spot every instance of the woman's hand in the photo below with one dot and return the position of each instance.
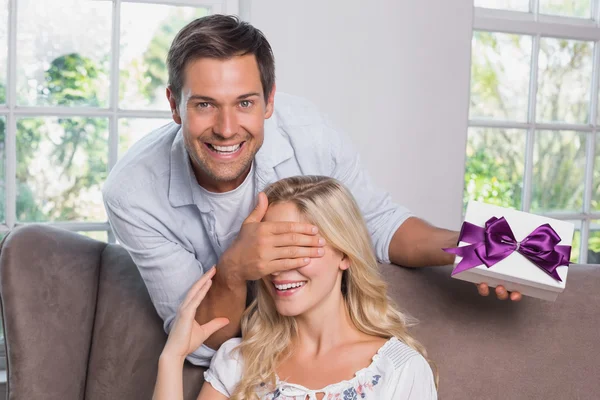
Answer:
(186, 334)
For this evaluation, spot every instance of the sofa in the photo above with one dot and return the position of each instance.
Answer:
(79, 324)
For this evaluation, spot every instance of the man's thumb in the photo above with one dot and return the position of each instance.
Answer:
(260, 210)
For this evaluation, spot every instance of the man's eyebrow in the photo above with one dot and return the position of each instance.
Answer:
(207, 98)
(200, 97)
(245, 96)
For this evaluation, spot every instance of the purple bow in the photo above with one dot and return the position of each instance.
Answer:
(496, 241)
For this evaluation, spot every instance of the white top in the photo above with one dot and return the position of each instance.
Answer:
(397, 372)
(231, 209)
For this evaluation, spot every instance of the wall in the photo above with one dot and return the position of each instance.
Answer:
(395, 75)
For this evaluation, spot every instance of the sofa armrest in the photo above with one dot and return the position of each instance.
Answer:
(48, 286)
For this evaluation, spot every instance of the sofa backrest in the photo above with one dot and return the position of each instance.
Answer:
(78, 320)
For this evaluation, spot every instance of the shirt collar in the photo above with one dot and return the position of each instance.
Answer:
(274, 150)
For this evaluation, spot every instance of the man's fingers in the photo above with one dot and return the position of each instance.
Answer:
(297, 239)
(279, 228)
(287, 264)
(501, 293)
(516, 296)
(483, 289)
(297, 252)
(260, 210)
(198, 285)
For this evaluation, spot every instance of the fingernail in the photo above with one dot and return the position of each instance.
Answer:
(321, 241)
(306, 260)
(315, 229)
(321, 252)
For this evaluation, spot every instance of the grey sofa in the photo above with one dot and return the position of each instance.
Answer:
(79, 324)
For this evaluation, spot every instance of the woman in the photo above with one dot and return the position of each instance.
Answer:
(323, 331)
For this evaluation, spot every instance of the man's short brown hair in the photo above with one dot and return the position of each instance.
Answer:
(221, 37)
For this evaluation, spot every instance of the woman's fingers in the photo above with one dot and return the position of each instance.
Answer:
(212, 326)
(197, 286)
(199, 296)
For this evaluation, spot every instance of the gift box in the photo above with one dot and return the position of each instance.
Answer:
(523, 252)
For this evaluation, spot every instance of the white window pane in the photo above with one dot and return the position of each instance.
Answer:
(564, 80)
(596, 182)
(61, 167)
(147, 31)
(495, 165)
(3, 48)
(133, 129)
(101, 236)
(558, 171)
(500, 71)
(513, 5)
(576, 244)
(2, 169)
(54, 41)
(567, 8)
(593, 254)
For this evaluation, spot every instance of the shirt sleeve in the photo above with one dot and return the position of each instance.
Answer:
(414, 381)
(168, 269)
(382, 216)
(226, 368)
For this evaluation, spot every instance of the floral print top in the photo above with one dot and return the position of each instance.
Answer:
(397, 372)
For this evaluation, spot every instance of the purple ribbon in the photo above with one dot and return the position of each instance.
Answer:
(496, 241)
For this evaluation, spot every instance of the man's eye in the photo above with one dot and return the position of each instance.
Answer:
(203, 105)
(245, 103)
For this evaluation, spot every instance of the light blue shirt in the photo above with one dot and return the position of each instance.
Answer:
(156, 208)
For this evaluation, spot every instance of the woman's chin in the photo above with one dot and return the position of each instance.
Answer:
(288, 310)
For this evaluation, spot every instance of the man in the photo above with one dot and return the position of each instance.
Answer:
(183, 198)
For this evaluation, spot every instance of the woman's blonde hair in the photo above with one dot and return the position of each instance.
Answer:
(267, 335)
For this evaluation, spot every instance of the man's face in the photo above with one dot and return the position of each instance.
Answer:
(222, 112)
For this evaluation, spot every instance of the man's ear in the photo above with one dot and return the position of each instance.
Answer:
(270, 103)
(173, 104)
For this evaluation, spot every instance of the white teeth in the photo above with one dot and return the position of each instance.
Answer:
(289, 285)
(226, 149)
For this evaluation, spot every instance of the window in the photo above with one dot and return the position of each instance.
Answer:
(80, 81)
(533, 116)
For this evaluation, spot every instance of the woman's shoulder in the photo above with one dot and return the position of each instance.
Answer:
(399, 354)
(227, 353)
(225, 369)
(230, 345)
(411, 376)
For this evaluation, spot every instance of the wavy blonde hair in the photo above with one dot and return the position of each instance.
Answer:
(267, 335)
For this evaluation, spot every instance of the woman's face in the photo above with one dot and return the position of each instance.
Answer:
(303, 289)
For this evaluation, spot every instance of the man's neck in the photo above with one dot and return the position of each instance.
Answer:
(217, 186)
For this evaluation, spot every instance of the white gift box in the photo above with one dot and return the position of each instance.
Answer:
(516, 272)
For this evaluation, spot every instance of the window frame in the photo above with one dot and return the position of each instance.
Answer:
(540, 26)
(11, 111)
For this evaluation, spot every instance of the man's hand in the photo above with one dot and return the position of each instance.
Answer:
(262, 248)
(501, 292)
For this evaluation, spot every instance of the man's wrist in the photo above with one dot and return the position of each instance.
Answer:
(228, 279)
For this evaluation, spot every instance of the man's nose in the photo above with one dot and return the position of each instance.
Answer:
(226, 125)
